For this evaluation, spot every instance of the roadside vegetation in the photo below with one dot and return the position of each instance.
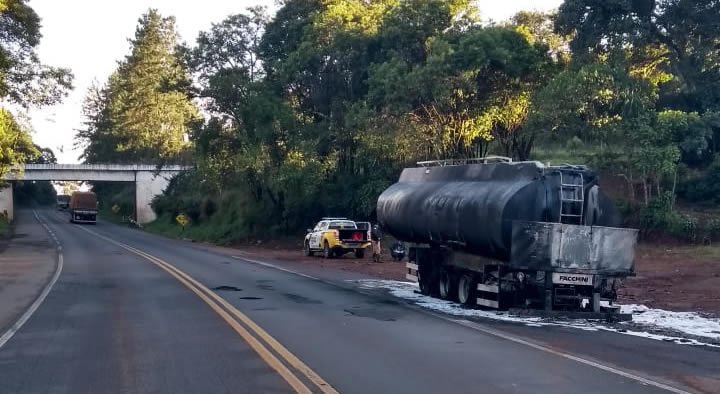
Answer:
(316, 110)
(25, 82)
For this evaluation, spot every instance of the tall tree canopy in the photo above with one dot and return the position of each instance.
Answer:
(316, 110)
(24, 80)
(143, 112)
(680, 35)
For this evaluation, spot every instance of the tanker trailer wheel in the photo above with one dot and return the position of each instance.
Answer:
(466, 289)
(327, 252)
(446, 285)
(427, 276)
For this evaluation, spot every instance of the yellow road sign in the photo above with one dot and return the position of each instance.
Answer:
(182, 219)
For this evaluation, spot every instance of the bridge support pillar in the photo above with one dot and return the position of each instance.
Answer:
(148, 185)
(6, 201)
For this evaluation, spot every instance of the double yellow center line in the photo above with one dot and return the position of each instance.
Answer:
(242, 324)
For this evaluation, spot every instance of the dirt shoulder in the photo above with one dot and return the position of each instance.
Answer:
(26, 264)
(683, 278)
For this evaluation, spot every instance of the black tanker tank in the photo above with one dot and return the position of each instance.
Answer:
(472, 206)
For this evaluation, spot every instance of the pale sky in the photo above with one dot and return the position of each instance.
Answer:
(90, 36)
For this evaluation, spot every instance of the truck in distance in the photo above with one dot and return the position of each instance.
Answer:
(503, 234)
(83, 207)
(336, 237)
(63, 202)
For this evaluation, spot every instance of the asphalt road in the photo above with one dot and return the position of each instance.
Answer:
(131, 313)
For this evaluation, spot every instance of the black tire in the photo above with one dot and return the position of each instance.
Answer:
(466, 290)
(360, 253)
(446, 285)
(427, 277)
(327, 252)
(424, 283)
(306, 249)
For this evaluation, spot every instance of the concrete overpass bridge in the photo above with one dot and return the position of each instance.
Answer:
(149, 181)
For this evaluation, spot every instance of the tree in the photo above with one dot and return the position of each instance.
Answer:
(540, 27)
(15, 144)
(678, 35)
(226, 61)
(595, 101)
(473, 87)
(23, 78)
(143, 113)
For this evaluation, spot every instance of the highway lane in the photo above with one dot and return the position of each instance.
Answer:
(115, 324)
(695, 368)
(117, 321)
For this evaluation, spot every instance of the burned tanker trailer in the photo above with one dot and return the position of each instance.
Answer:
(505, 234)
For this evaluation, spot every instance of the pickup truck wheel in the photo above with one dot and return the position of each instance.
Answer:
(466, 290)
(327, 252)
(306, 249)
(359, 253)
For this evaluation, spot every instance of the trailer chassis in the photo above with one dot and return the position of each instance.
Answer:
(445, 273)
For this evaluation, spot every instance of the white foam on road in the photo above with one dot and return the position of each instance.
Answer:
(645, 320)
(688, 322)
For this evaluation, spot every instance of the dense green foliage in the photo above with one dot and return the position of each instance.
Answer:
(316, 110)
(143, 112)
(15, 142)
(24, 80)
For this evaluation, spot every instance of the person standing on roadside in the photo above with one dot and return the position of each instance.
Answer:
(376, 237)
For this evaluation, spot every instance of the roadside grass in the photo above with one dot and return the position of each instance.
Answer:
(4, 226)
(712, 251)
(214, 230)
(164, 226)
(107, 214)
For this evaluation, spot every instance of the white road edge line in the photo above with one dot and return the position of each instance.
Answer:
(39, 300)
(264, 264)
(478, 327)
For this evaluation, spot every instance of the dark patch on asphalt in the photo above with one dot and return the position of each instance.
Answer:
(265, 309)
(266, 287)
(301, 300)
(113, 253)
(227, 288)
(249, 298)
(384, 302)
(372, 313)
(224, 262)
(19, 235)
